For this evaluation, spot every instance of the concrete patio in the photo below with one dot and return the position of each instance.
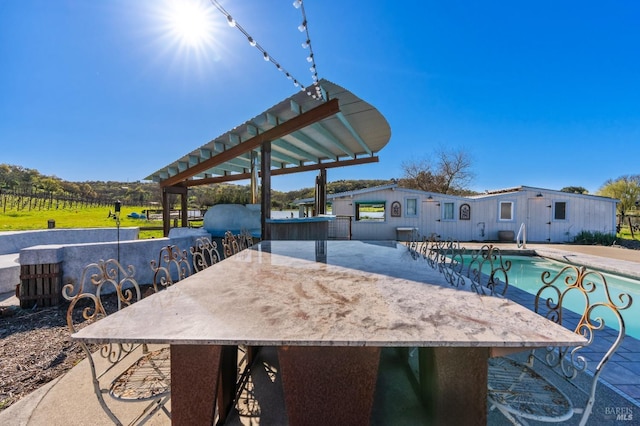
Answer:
(69, 399)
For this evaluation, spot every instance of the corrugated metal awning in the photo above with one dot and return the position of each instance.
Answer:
(305, 134)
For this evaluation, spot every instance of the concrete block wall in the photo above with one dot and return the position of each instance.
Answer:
(138, 253)
(14, 241)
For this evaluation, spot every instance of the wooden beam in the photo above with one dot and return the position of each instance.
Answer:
(319, 166)
(301, 121)
(282, 171)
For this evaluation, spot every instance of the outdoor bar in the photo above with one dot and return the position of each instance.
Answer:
(321, 304)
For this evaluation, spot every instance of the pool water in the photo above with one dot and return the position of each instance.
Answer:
(526, 271)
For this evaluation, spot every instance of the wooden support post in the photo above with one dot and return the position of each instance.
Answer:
(184, 206)
(321, 192)
(265, 172)
(166, 208)
(254, 177)
(166, 212)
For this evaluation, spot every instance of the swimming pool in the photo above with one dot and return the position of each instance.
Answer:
(526, 271)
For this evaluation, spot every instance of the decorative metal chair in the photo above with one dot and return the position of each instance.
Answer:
(484, 271)
(414, 244)
(171, 267)
(245, 239)
(520, 392)
(230, 244)
(141, 375)
(204, 253)
(488, 271)
(451, 264)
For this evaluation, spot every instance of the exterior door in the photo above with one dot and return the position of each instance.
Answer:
(430, 219)
(538, 221)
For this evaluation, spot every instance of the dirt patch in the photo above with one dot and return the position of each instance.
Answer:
(35, 348)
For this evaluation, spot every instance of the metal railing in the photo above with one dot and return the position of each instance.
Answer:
(521, 238)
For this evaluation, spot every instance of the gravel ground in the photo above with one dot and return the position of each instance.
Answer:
(35, 348)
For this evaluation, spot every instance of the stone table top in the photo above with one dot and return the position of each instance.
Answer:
(325, 293)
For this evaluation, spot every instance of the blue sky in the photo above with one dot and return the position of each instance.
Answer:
(539, 93)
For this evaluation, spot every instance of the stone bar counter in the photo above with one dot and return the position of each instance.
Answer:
(329, 306)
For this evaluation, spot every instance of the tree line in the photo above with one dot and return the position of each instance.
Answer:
(25, 189)
(444, 171)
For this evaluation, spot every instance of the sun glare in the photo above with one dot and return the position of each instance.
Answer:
(190, 22)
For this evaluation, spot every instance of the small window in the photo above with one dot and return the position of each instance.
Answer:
(370, 211)
(411, 207)
(560, 210)
(506, 210)
(447, 211)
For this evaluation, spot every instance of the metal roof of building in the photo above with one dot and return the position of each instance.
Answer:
(352, 135)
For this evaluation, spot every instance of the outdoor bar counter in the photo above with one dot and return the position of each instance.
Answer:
(329, 306)
(302, 228)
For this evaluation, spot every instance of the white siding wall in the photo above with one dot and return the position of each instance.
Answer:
(363, 230)
(583, 213)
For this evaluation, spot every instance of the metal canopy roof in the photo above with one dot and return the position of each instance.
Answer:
(305, 134)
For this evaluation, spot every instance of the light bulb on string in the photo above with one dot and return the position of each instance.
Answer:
(253, 43)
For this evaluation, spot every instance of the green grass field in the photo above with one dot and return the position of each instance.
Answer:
(87, 217)
(98, 217)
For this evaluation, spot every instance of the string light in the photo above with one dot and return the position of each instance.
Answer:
(304, 27)
(316, 91)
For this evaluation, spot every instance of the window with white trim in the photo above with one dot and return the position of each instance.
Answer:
(447, 211)
(506, 210)
(373, 211)
(411, 207)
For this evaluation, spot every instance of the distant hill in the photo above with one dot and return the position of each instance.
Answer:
(18, 180)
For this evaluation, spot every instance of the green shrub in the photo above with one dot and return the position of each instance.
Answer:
(594, 238)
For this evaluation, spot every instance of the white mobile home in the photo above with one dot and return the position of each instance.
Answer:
(388, 212)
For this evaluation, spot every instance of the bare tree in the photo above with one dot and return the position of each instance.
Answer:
(450, 173)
